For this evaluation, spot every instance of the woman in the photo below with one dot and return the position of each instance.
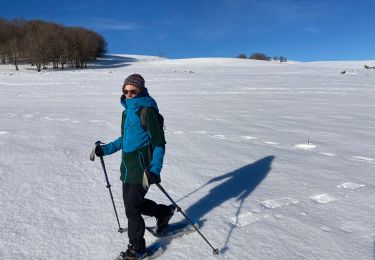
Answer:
(143, 149)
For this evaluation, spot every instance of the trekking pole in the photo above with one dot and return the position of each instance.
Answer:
(120, 229)
(215, 250)
(92, 158)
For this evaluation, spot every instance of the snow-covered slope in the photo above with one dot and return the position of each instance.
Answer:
(275, 160)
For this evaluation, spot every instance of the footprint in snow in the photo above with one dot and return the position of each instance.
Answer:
(325, 228)
(199, 132)
(63, 119)
(352, 226)
(305, 146)
(222, 137)
(247, 138)
(244, 219)
(98, 122)
(28, 116)
(270, 143)
(256, 215)
(11, 114)
(329, 154)
(46, 118)
(211, 119)
(350, 185)
(278, 203)
(363, 159)
(322, 198)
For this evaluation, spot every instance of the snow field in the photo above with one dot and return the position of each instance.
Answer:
(274, 160)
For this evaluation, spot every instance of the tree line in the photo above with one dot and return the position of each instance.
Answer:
(262, 56)
(43, 43)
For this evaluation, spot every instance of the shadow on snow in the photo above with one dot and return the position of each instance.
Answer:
(105, 62)
(238, 184)
(111, 62)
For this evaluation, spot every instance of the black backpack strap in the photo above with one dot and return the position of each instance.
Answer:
(143, 116)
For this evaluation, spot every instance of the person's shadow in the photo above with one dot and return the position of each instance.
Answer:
(238, 184)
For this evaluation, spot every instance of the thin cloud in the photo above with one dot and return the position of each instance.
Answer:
(292, 10)
(312, 30)
(77, 8)
(121, 27)
(282, 10)
(249, 17)
(115, 25)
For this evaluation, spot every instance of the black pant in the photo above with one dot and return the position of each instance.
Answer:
(135, 206)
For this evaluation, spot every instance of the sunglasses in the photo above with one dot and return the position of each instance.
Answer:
(132, 91)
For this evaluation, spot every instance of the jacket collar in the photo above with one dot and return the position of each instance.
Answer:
(138, 102)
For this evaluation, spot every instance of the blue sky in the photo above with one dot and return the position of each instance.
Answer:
(304, 30)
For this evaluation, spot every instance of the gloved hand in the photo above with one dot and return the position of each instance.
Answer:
(99, 150)
(96, 150)
(153, 178)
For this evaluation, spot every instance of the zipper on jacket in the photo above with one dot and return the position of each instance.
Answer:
(142, 161)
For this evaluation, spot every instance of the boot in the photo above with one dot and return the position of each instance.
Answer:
(131, 254)
(162, 223)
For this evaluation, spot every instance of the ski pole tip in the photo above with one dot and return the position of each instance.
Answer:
(216, 251)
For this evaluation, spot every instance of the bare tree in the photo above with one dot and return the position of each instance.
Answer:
(259, 56)
(4, 35)
(242, 56)
(283, 59)
(12, 41)
(37, 39)
(54, 49)
(42, 43)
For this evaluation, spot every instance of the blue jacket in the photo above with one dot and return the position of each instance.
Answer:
(141, 148)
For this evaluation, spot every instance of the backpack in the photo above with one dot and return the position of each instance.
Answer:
(143, 116)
